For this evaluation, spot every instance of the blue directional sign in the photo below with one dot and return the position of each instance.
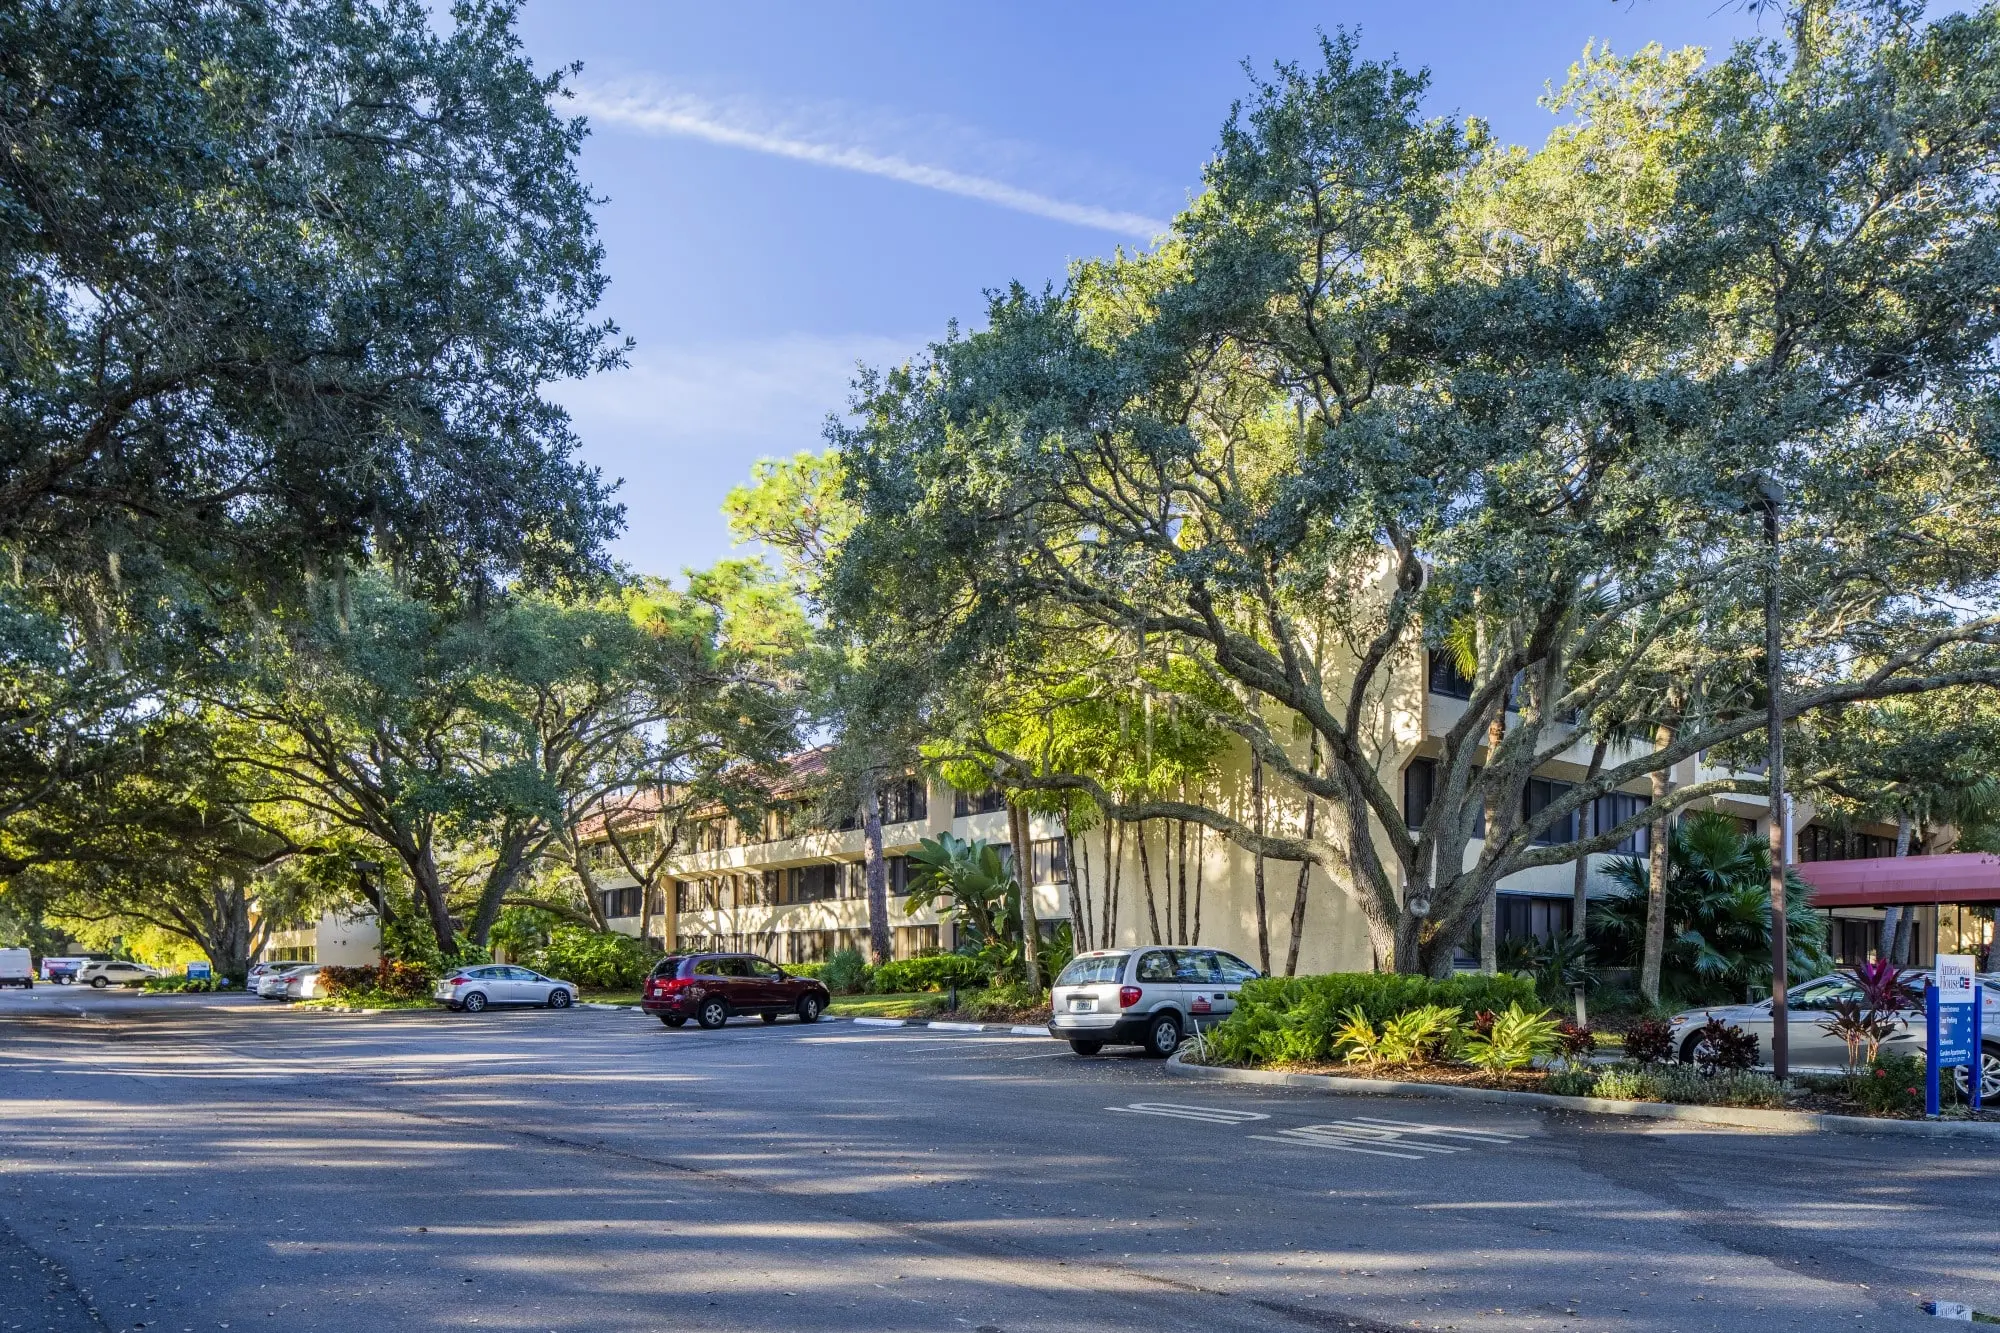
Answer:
(1953, 1004)
(200, 971)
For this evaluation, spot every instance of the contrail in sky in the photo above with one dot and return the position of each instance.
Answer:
(691, 118)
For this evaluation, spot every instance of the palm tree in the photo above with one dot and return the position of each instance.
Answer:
(1718, 943)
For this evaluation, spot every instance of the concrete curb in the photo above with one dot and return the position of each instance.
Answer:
(1734, 1117)
(880, 1022)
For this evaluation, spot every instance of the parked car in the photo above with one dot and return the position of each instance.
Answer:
(1811, 1046)
(98, 974)
(1143, 997)
(301, 983)
(471, 989)
(712, 988)
(17, 968)
(270, 983)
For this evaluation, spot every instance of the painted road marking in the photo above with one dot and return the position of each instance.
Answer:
(1214, 1115)
(1421, 1127)
(1304, 1138)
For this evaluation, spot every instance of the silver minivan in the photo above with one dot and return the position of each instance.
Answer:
(1150, 997)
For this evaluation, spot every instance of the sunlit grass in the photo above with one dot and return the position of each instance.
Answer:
(908, 1004)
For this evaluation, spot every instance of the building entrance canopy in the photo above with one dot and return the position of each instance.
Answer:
(1902, 881)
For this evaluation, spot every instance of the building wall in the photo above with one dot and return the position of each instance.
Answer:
(338, 938)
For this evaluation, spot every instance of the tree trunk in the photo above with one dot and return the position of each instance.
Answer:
(1489, 935)
(1199, 833)
(1586, 824)
(1658, 865)
(1489, 907)
(1114, 844)
(1180, 859)
(430, 893)
(1146, 873)
(876, 870)
(1257, 869)
(1079, 897)
(510, 859)
(1024, 874)
(1305, 872)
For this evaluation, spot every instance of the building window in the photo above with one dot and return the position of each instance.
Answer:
(911, 941)
(1419, 790)
(291, 953)
(810, 884)
(978, 802)
(1050, 859)
(621, 902)
(1539, 795)
(1816, 842)
(1445, 677)
(1608, 812)
(1521, 918)
(905, 801)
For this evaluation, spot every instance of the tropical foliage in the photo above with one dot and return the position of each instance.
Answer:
(1718, 927)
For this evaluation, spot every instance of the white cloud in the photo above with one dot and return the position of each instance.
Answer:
(832, 141)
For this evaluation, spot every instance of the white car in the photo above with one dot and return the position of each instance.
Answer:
(1143, 997)
(302, 983)
(1811, 1046)
(471, 989)
(114, 972)
(271, 984)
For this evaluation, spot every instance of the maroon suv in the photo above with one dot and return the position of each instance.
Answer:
(709, 987)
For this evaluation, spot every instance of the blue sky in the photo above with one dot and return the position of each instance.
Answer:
(792, 188)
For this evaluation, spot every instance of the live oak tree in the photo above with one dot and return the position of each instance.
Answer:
(1387, 383)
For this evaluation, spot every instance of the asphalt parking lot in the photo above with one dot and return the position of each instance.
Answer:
(184, 1163)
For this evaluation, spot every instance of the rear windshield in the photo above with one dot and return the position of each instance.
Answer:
(1092, 971)
(670, 966)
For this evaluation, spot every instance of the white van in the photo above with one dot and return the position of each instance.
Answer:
(17, 968)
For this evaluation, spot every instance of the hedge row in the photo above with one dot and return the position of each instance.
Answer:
(1284, 1020)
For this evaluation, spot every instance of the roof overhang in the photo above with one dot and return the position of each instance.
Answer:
(1885, 881)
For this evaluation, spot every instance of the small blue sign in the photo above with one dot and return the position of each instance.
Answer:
(1951, 1039)
(199, 971)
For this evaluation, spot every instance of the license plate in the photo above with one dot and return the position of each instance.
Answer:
(1083, 1006)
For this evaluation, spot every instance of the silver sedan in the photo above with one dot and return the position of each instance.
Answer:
(1811, 1046)
(471, 989)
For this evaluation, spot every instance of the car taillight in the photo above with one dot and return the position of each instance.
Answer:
(674, 984)
(458, 981)
(1128, 996)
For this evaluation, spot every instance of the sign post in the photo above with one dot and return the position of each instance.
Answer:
(1952, 1011)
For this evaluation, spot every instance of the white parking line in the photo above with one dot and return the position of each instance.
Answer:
(1421, 1127)
(1214, 1115)
(1298, 1140)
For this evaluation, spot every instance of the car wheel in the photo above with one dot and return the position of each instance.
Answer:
(1086, 1047)
(712, 1014)
(809, 1009)
(673, 1020)
(768, 1018)
(1989, 1076)
(1163, 1036)
(559, 998)
(1691, 1049)
(98, 983)
(473, 1003)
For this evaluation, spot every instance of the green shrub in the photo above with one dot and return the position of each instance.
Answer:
(406, 981)
(1409, 1038)
(1005, 1003)
(336, 982)
(1283, 1020)
(931, 971)
(815, 970)
(602, 959)
(1688, 1086)
(184, 985)
(1892, 1085)
(1575, 1081)
(1513, 1039)
(846, 973)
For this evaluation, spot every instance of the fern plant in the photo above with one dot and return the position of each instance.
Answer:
(1410, 1038)
(1514, 1040)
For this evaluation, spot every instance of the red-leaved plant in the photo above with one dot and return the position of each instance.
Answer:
(1882, 986)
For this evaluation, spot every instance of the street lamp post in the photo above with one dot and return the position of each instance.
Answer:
(1769, 497)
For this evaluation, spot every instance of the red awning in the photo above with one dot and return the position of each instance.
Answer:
(1955, 877)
